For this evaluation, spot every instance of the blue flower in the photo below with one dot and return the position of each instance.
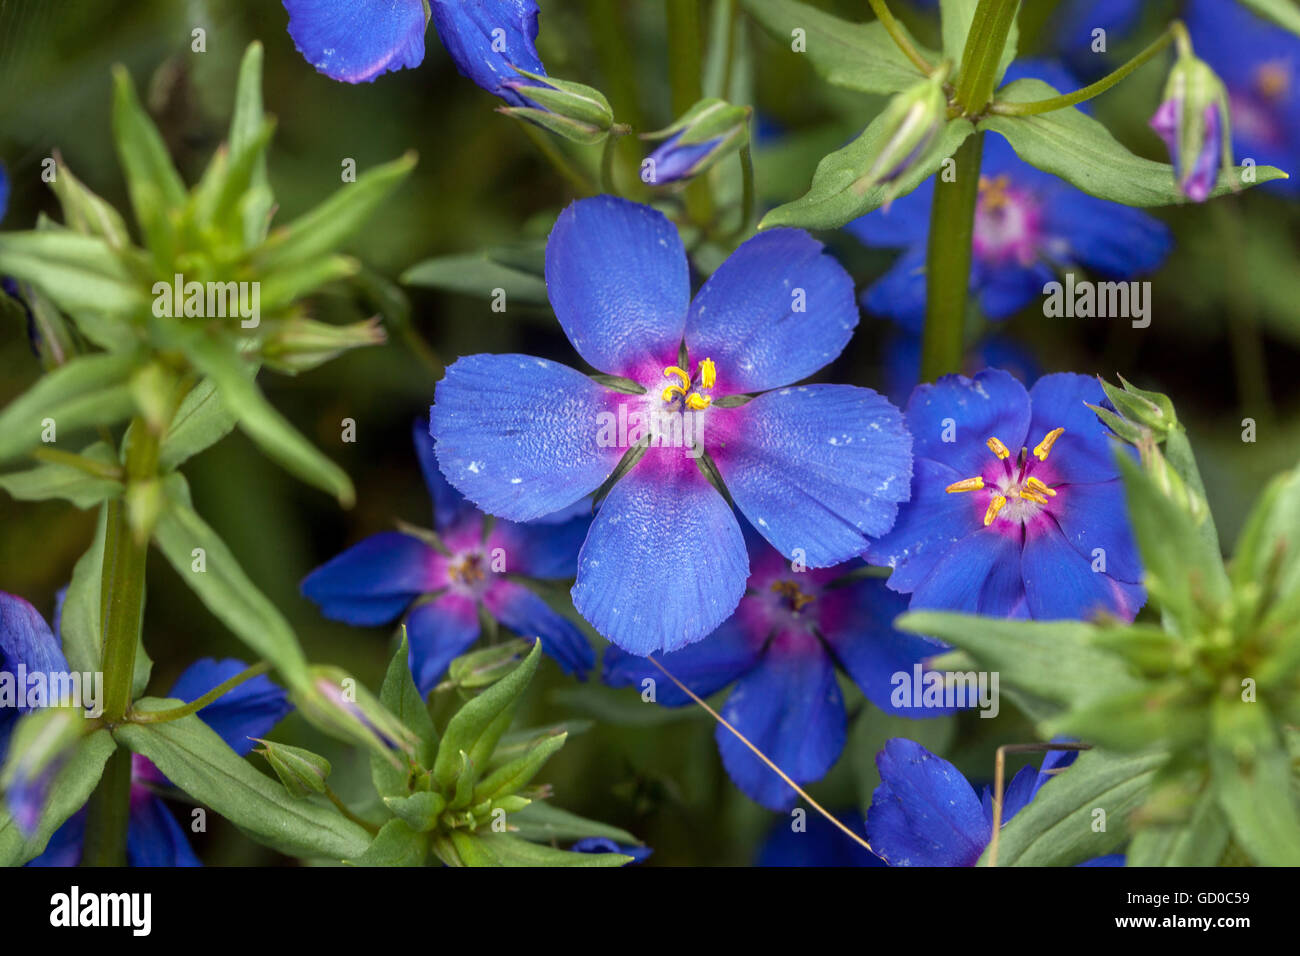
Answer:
(817, 469)
(154, 837)
(781, 650)
(639, 854)
(1260, 65)
(1017, 506)
(441, 589)
(925, 813)
(820, 843)
(358, 40)
(1028, 226)
(1073, 36)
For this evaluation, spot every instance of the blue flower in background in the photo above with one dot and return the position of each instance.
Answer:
(925, 813)
(996, 528)
(26, 641)
(358, 40)
(781, 650)
(819, 843)
(639, 854)
(1259, 63)
(441, 588)
(153, 836)
(1073, 28)
(902, 360)
(817, 469)
(1029, 226)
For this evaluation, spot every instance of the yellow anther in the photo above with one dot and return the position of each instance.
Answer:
(671, 392)
(697, 401)
(993, 192)
(790, 591)
(685, 379)
(995, 506)
(1044, 447)
(1038, 486)
(1273, 80)
(708, 373)
(1032, 496)
(966, 484)
(998, 448)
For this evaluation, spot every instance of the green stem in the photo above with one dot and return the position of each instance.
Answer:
(607, 184)
(948, 261)
(108, 813)
(983, 53)
(900, 38)
(194, 706)
(748, 207)
(555, 156)
(90, 466)
(686, 84)
(343, 809)
(1095, 89)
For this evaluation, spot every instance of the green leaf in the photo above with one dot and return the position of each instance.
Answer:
(421, 810)
(1199, 841)
(1044, 665)
(1080, 150)
(1132, 720)
(156, 189)
(395, 845)
(198, 761)
(1285, 13)
(245, 126)
(68, 794)
(78, 273)
(88, 390)
(857, 56)
(478, 274)
(834, 198)
(501, 849)
(200, 422)
(957, 16)
(400, 695)
(544, 823)
(515, 775)
(56, 479)
(479, 724)
(1056, 827)
(223, 586)
(1252, 777)
(334, 221)
(87, 213)
(1268, 549)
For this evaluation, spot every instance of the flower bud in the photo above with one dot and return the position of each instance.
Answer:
(478, 669)
(1193, 120)
(301, 344)
(911, 124)
(576, 112)
(709, 131)
(340, 706)
(301, 771)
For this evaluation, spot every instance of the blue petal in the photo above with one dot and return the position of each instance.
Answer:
(4, 191)
(1111, 859)
(1019, 792)
(529, 616)
(744, 317)
(952, 419)
(437, 632)
(818, 843)
(487, 39)
(519, 436)
(1060, 582)
(670, 162)
(448, 504)
(154, 838)
(1113, 240)
(617, 277)
(639, 854)
(26, 639)
(1096, 516)
(816, 468)
(1005, 290)
(980, 574)
(1086, 452)
(927, 527)
(250, 710)
(900, 293)
(545, 551)
(358, 40)
(665, 562)
(905, 223)
(372, 582)
(924, 813)
(64, 848)
(790, 708)
(705, 667)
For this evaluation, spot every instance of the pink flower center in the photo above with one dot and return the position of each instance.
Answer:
(1007, 223)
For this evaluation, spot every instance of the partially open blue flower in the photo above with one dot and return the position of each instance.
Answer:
(442, 589)
(781, 650)
(1017, 506)
(817, 469)
(1028, 225)
(154, 837)
(925, 813)
(358, 40)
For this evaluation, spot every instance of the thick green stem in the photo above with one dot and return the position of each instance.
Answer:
(107, 814)
(900, 38)
(983, 54)
(948, 259)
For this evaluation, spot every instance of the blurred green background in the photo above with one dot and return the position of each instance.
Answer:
(1222, 343)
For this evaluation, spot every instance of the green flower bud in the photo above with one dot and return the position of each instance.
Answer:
(301, 344)
(912, 122)
(708, 132)
(301, 771)
(338, 705)
(576, 112)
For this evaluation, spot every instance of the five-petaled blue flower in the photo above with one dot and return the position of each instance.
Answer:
(1017, 506)
(925, 813)
(781, 650)
(816, 468)
(442, 587)
(358, 40)
(1028, 226)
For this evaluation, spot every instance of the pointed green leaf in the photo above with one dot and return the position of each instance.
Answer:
(57, 479)
(395, 845)
(77, 273)
(1285, 13)
(1252, 777)
(419, 810)
(515, 775)
(542, 822)
(400, 695)
(87, 213)
(501, 849)
(156, 189)
(200, 422)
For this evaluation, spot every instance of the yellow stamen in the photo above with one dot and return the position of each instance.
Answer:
(1032, 496)
(708, 373)
(995, 506)
(998, 448)
(697, 401)
(467, 571)
(993, 192)
(790, 590)
(1044, 447)
(966, 484)
(1273, 80)
(1042, 489)
(671, 392)
(672, 370)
